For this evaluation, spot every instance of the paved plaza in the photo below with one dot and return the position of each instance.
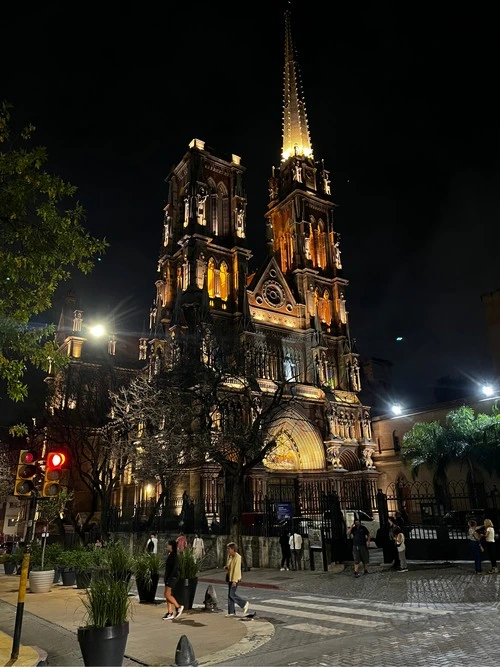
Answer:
(438, 614)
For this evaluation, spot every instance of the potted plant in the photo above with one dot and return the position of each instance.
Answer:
(11, 562)
(185, 589)
(146, 568)
(117, 560)
(66, 563)
(103, 637)
(52, 552)
(42, 572)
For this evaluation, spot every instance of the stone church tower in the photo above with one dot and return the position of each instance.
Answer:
(290, 318)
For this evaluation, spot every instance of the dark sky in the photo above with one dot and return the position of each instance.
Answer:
(402, 105)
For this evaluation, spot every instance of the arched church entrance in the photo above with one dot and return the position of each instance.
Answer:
(299, 445)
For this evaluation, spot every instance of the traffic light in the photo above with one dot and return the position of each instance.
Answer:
(26, 471)
(54, 473)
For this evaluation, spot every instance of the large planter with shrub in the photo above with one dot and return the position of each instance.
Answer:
(103, 638)
(76, 566)
(185, 589)
(41, 580)
(146, 569)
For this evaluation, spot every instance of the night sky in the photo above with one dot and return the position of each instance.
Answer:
(402, 106)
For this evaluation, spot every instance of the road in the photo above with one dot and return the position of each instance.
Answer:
(382, 620)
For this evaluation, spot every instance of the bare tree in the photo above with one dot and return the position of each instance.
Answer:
(80, 422)
(154, 419)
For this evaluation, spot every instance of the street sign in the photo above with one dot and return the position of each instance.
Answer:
(283, 511)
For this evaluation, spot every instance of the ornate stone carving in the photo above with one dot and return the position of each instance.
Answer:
(367, 457)
(333, 455)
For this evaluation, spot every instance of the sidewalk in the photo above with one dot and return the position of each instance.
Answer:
(151, 641)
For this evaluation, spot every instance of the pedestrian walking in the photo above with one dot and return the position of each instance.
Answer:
(198, 548)
(174, 609)
(360, 541)
(286, 552)
(233, 578)
(295, 542)
(152, 544)
(400, 541)
(491, 549)
(475, 545)
(396, 565)
(181, 542)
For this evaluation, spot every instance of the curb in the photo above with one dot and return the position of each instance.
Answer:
(242, 584)
(259, 632)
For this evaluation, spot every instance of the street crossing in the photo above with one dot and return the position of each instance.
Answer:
(337, 616)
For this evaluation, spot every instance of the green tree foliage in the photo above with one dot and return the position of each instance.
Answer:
(461, 439)
(41, 239)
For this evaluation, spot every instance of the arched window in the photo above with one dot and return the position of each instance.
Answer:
(224, 282)
(320, 246)
(211, 278)
(222, 210)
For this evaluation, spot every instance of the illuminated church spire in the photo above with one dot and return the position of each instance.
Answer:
(296, 140)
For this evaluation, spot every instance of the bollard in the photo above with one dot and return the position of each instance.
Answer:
(210, 600)
(184, 654)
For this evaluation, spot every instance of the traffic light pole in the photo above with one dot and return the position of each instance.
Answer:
(24, 580)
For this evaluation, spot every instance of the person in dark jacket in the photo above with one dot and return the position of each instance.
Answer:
(286, 552)
(171, 578)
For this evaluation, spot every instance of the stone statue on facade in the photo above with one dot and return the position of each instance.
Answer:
(333, 455)
(367, 457)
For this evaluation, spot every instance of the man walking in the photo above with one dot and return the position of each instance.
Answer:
(233, 578)
(360, 541)
(296, 548)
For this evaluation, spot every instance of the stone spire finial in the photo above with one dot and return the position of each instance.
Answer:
(296, 140)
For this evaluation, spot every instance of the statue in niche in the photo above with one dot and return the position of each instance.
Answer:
(354, 374)
(289, 368)
(297, 172)
(366, 426)
(337, 251)
(342, 308)
(201, 198)
(307, 247)
(186, 211)
(352, 427)
(240, 221)
(152, 315)
(326, 182)
(333, 422)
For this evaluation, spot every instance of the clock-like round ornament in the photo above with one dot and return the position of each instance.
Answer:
(273, 293)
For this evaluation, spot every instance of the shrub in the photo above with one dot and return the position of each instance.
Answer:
(188, 567)
(107, 602)
(145, 566)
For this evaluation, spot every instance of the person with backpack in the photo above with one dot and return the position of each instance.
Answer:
(152, 544)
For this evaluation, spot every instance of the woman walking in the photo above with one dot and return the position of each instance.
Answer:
(286, 552)
(399, 539)
(490, 545)
(233, 578)
(171, 578)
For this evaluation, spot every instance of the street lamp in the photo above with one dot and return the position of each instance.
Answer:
(488, 389)
(97, 330)
(396, 409)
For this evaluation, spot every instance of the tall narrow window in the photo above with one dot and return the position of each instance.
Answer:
(211, 278)
(224, 282)
(327, 308)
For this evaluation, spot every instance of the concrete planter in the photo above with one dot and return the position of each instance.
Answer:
(41, 582)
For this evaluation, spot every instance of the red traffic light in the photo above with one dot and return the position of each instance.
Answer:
(55, 460)
(26, 456)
